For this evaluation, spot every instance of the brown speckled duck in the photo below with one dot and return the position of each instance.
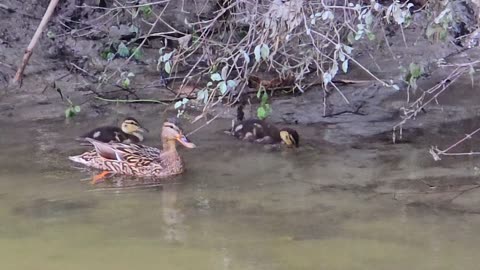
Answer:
(135, 159)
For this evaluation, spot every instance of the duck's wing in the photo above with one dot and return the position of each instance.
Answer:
(112, 151)
(124, 152)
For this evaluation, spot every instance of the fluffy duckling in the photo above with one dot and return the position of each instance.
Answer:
(260, 131)
(129, 132)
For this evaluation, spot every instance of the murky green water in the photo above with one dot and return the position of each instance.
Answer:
(237, 207)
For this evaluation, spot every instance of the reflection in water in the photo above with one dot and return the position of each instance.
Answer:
(172, 215)
(238, 207)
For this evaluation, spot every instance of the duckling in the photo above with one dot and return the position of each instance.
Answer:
(129, 132)
(260, 131)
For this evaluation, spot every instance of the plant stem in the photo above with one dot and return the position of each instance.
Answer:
(33, 42)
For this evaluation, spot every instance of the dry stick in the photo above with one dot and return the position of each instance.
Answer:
(33, 42)
(436, 153)
(202, 126)
(443, 85)
(165, 102)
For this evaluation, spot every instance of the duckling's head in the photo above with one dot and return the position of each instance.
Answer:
(131, 126)
(171, 133)
(290, 137)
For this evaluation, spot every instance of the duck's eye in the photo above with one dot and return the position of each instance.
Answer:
(172, 127)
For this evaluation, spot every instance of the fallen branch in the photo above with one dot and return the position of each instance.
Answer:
(33, 42)
(436, 153)
(165, 102)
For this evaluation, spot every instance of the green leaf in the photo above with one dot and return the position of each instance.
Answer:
(146, 10)
(327, 78)
(347, 49)
(442, 35)
(223, 87)
(104, 54)
(231, 83)
(51, 35)
(369, 18)
(370, 35)
(264, 98)
(415, 70)
(216, 77)
(245, 55)
(261, 113)
(358, 35)
(268, 108)
(334, 69)
(265, 51)
(137, 54)
(350, 37)
(167, 56)
(133, 29)
(341, 56)
(110, 56)
(327, 14)
(256, 51)
(224, 72)
(345, 66)
(77, 109)
(168, 67)
(178, 104)
(68, 113)
(126, 83)
(202, 95)
(123, 50)
(209, 84)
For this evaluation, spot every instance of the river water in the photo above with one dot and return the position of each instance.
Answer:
(238, 206)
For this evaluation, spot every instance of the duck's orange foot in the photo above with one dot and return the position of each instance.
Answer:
(99, 177)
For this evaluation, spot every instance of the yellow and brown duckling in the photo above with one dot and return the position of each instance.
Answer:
(260, 131)
(135, 159)
(129, 132)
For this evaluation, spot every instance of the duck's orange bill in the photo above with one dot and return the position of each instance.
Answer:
(184, 141)
(99, 177)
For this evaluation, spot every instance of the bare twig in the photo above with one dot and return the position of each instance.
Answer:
(165, 102)
(436, 153)
(28, 52)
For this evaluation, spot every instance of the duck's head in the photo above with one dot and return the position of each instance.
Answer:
(172, 133)
(290, 137)
(131, 126)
